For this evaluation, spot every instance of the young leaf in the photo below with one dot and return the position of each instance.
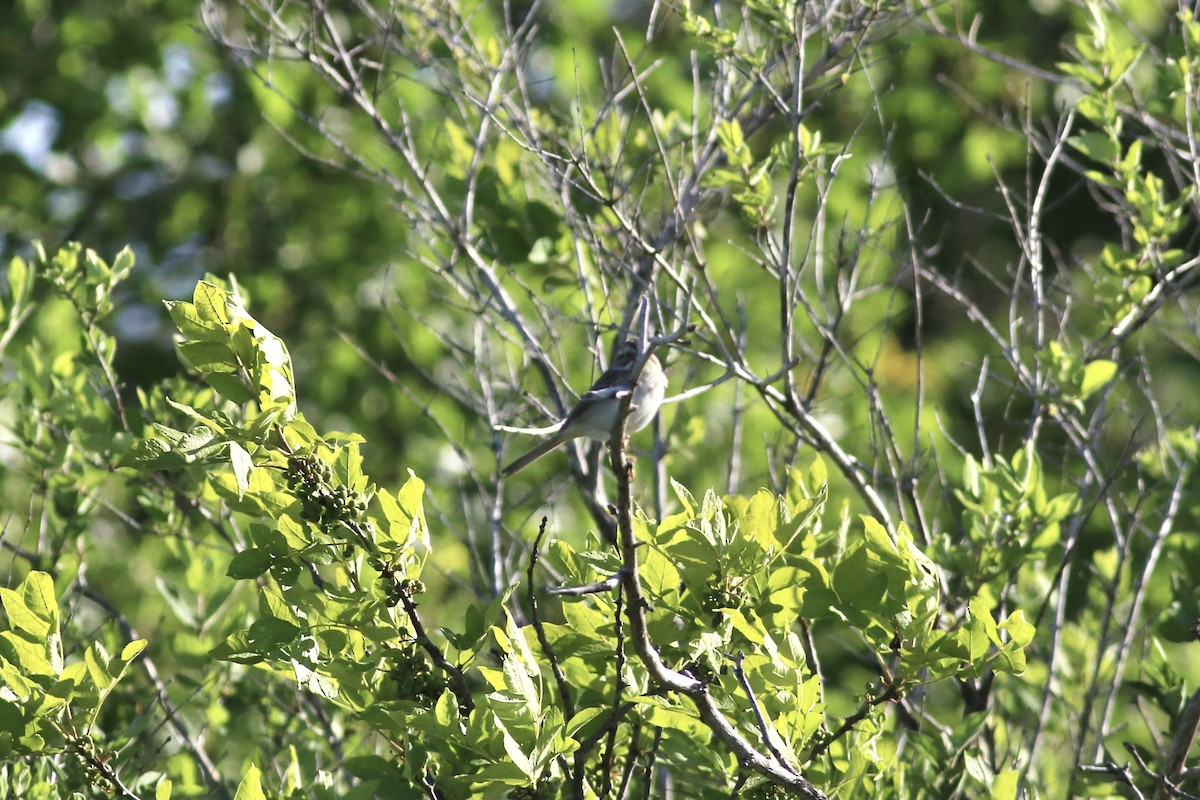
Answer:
(242, 463)
(251, 786)
(1096, 374)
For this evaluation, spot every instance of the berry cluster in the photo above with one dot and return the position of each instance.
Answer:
(723, 595)
(395, 589)
(545, 791)
(414, 676)
(309, 478)
(88, 762)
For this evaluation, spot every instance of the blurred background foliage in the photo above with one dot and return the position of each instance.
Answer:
(123, 125)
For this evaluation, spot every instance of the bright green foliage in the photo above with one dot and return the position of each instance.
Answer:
(48, 705)
(1009, 520)
(923, 278)
(1155, 217)
(744, 594)
(747, 577)
(1072, 381)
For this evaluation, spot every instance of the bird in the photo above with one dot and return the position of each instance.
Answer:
(595, 415)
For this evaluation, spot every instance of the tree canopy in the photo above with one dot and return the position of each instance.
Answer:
(285, 284)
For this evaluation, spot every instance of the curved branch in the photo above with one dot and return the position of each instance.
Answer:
(695, 690)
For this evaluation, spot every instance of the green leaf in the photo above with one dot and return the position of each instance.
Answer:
(33, 657)
(371, 767)
(894, 560)
(1096, 146)
(276, 605)
(520, 667)
(38, 592)
(269, 635)
(21, 617)
(187, 320)
(1011, 658)
(251, 786)
(981, 615)
(347, 466)
(551, 742)
(230, 386)
(212, 304)
(133, 649)
(671, 718)
(978, 768)
(149, 454)
(122, 264)
(1027, 461)
(249, 564)
(754, 633)
(1060, 507)
(723, 179)
(310, 680)
(760, 519)
(733, 145)
(19, 280)
(261, 498)
(446, 710)
(242, 464)
(685, 498)
(34, 609)
(1096, 374)
(209, 356)
(814, 585)
(513, 748)
(1083, 73)
(860, 588)
(582, 718)
(505, 772)
(1101, 109)
(98, 662)
(1133, 159)
(1005, 785)
(1016, 626)
(411, 498)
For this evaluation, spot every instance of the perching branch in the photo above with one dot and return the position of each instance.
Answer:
(636, 604)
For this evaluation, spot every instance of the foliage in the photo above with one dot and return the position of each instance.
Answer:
(335, 563)
(924, 294)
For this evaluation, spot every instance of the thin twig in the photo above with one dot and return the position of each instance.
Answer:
(564, 689)
(765, 728)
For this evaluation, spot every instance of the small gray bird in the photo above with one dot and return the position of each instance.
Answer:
(595, 415)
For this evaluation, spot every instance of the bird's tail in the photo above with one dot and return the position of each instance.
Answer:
(534, 454)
